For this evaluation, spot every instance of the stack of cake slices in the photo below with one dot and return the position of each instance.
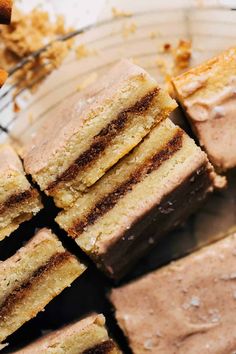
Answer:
(124, 174)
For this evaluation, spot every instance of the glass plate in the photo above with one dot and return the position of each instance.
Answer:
(139, 36)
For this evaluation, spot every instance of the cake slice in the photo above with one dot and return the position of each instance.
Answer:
(5, 11)
(32, 277)
(88, 336)
(146, 194)
(3, 77)
(89, 132)
(208, 96)
(185, 307)
(19, 201)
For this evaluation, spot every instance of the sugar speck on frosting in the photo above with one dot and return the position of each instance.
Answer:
(195, 301)
(215, 315)
(148, 344)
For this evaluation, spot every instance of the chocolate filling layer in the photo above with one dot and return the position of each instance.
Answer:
(101, 348)
(103, 138)
(109, 201)
(20, 292)
(17, 199)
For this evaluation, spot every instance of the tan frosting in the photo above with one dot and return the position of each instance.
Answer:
(69, 116)
(186, 307)
(208, 93)
(9, 160)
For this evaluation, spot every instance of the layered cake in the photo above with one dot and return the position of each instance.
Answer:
(19, 201)
(89, 132)
(32, 277)
(146, 194)
(185, 307)
(3, 77)
(208, 95)
(88, 336)
(5, 11)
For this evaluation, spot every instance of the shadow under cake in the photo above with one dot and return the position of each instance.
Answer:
(90, 131)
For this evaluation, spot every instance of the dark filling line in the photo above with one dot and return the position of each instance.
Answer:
(17, 199)
(20, 292)
(101, 348)
(109, 201)
(103, 138)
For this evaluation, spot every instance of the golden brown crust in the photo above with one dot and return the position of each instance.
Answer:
(5, 11)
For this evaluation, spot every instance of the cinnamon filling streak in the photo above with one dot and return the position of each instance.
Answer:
(17, 199)
(103, 138)
(20, 292)
(109, 201)
(101, 348)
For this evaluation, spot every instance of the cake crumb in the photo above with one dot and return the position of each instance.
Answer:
(128, 29)
(182, 54)
(173, 60)
(167, 47)
(27, 33)
(81, 51)
(116, 13)
(153, 34)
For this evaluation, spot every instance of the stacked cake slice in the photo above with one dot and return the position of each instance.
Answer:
(19, 201)
(32, 277)
(88, 336)
(146, 194)
(89, 132)
(123, 172)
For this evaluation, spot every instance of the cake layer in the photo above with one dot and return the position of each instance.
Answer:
(89, 132)
(5, 11)
(88, 336)
(32, 277)
(208, 95)
(18, 200)
(185, 307)
(117, 213)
